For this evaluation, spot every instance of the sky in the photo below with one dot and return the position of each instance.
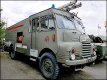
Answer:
(92, 13)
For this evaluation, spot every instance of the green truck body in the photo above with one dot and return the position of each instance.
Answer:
(54, 34)
(101, 50)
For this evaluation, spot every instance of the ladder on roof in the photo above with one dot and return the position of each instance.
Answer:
(70, 6)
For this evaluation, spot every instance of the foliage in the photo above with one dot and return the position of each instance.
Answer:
(2, 29)
(2, 24)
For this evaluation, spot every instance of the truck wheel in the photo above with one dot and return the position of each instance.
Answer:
(49, 66)
(4, 47)
(12, 52)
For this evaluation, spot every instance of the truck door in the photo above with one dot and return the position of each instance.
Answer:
(46, 33)
(35, 24)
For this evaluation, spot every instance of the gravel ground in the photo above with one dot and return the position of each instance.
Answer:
(18, 69)
(25, 69)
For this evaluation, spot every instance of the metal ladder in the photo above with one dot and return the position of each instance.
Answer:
(70, 6)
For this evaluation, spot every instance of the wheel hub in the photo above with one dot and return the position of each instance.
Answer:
(47, 67)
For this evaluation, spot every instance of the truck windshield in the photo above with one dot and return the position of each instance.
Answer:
(79, 26)
(64, 23)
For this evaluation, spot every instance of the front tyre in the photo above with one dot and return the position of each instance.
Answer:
(49, 66)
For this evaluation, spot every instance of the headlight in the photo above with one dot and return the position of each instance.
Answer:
(94, 51)
(73, 51)
(73, 56)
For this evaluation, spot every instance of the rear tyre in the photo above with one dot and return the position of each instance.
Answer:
(12, 53)
(49, 66)
(5, 49)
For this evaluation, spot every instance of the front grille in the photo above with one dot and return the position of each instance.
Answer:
(86, 50)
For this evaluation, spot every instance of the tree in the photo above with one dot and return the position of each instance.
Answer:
(2, 29)
(2, 23)
(2, 33)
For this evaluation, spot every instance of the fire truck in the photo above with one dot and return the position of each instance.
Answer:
(52, 37)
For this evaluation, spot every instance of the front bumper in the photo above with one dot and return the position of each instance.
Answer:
(78, 62)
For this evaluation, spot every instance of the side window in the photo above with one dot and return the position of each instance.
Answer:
(47, 23)
(19, 37)
(51, 24)
(29, 28)
(44, 24)
(35, 24)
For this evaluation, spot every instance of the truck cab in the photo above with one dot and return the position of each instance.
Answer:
(73, 41)
(62, 35)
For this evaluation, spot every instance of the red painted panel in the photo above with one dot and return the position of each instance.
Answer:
(15, 27)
